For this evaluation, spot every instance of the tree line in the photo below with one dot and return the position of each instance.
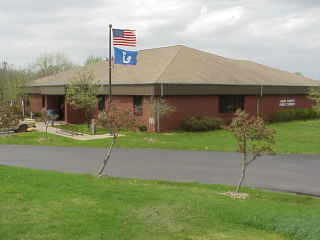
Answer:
(13, 79)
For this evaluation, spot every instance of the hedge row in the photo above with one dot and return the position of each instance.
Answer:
(294, 114)
(194, 124)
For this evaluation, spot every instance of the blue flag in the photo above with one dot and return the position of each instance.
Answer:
(125, 57)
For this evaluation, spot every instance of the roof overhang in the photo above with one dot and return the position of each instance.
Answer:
(169, 89)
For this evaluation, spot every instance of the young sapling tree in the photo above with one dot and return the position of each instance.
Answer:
(160, 109)
(254, 138)
(47, 119)
(114, 120)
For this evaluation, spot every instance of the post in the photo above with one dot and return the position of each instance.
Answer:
(110, 65)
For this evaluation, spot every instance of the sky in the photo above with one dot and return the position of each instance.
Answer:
(279, 33)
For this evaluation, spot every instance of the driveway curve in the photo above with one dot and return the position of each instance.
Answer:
(292, 173)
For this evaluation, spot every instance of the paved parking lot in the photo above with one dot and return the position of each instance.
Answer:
(296, 173)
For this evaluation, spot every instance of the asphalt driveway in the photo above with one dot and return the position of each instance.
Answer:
(295, 173)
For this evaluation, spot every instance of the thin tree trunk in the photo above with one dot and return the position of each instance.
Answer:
(107, 156)
(244, 167)
(243, 175)
(47, 125)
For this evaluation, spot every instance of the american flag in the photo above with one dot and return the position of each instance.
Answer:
(124, 37)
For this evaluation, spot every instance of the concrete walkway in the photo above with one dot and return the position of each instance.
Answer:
(40, 126)
(294, 173)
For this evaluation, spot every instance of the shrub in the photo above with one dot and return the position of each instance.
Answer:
(201, 124)
(294, 114)
(143, 128)
(36, 114)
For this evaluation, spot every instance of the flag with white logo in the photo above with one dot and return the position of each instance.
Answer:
(125, 57)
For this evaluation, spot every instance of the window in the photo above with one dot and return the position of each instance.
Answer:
(229, 104)
(43, 101)
(137, 105)
(101, 103)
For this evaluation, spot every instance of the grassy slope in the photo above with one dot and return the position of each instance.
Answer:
(292, 137)
(38, 205)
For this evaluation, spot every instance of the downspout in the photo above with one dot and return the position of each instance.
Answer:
(158, 107)
(161, 89)
(259, 102)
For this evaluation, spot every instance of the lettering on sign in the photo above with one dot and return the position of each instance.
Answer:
(287, 102)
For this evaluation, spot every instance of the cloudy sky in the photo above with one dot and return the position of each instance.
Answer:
(280, 33)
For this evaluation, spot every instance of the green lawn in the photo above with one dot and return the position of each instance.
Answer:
(43, 205)
(80, 128)
(292, 137)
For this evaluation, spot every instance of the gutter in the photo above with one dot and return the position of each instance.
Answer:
(190, 84)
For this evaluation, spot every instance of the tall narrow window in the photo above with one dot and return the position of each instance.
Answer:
(43, 101)
(137, 105)
(229, 104)
(101, 103)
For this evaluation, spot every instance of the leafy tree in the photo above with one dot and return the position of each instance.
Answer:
(253, 137)
(314, 95)
(81, 93)
(12, 92)
(160, 109)
(9, 115)
(12, 81)
(51, 63)
(47, 119)
(115, 119)
(93, 60)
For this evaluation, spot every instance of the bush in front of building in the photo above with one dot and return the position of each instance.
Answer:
(143, 128)
(36, 114)
(294, 114)
(198, 123)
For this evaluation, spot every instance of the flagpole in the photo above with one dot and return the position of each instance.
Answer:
(110, 64)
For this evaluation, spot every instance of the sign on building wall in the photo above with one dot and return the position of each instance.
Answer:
(287, 102)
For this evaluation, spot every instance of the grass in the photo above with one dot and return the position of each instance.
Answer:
(38, 205)
(292, 137)
(80, 128)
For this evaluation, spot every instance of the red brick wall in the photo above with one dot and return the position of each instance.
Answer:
(189, 106)
(185, 106)
(73, 116)
(270, 104)
(250, 104)
(126, 102)
(209, 106)
(36, 103)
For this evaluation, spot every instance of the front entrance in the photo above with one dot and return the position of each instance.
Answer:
(56, 103)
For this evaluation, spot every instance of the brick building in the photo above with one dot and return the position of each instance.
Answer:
(197, 83)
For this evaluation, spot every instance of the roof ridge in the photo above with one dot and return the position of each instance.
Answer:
(169, 46)
(166, 67)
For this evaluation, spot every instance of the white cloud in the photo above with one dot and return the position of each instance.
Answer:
(208, 22)
(279, 33)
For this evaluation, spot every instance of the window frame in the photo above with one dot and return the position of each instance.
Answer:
(103, 98)
(43, 101)
(138, 105)
(229, 104)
